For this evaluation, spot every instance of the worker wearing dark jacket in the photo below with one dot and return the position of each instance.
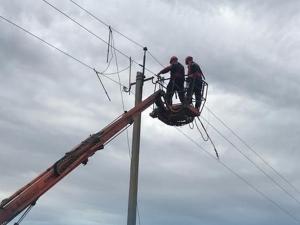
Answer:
(194, 81)
(176, 80)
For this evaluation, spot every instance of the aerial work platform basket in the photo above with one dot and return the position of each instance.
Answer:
(175, 115)
(178, 114)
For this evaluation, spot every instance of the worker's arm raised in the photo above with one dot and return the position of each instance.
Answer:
(165, 70)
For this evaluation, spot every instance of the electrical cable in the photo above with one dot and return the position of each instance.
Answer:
(108, 62)
(121, 131)
(47, 43)
(25, 214)
(204, 138)
(109, 41)
(79, 61)
(253, 163)
(155, 59)
(97, 36)
(208, 137)
(121, 92)
(102, 85)
(101, 21)
(117, 31)
(191, 126)
(129, 78)
(58, 49)
(117, 67)
(83, 27)
(242, 179)
(252, 150)
(276, 183)
(120, 71)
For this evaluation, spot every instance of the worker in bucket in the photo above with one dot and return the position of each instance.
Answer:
(176, 82)
(194, 82)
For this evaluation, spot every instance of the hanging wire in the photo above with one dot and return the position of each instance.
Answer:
(117, 67)
(121, 92)
(204, 138)
(129, 79)
(102, 85)
(209, 138)
(107, 67)
(109, 43)
(108, 59)
(119, 133)
(191, 125)
(116, 72)
(25, 213)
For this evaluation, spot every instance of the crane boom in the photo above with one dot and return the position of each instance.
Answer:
(28, 195)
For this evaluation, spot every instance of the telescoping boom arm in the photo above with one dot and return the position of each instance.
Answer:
(28, 195)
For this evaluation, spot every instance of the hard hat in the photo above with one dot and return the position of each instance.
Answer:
(188, 59)
(173, 58)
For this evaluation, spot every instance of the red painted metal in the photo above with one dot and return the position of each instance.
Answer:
(27, 195)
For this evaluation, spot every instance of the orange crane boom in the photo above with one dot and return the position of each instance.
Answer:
(28, 195)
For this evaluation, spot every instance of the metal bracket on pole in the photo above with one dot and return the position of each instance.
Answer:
(125, 89)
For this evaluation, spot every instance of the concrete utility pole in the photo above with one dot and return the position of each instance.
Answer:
(134, 165)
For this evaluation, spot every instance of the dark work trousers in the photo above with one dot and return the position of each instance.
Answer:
(194, 87)
(175, 85)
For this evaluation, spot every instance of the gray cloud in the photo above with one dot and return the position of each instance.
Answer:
(49, 103)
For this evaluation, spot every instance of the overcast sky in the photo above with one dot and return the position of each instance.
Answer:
(248, 50)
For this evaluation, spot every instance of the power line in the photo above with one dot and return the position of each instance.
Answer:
(118, 73)
(88, 66)
(47, 43)
(242, 178)
(104, 23)
(155, 59)
(58, 49)
(281, 176)
(251, 161)
(110, 27)
(252, 150)
(83, 27)
(115, 30)
(95, 35)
